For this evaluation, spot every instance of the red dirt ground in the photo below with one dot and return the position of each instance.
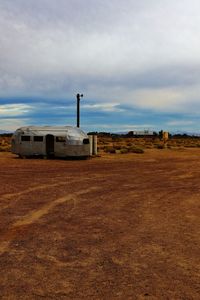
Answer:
(113, 227)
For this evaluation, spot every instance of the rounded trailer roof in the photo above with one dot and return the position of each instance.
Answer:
(55, 130)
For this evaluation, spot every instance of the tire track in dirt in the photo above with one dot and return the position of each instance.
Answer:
(13, 196)
(28, 190)
(32, 217)
(44, 186)
(69, 180)
(40, 187)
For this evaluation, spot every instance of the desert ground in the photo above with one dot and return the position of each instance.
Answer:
(119, 226)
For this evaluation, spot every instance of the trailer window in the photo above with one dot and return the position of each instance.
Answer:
(60, 139)
(25, 138)
(38, 138)
(86, 141)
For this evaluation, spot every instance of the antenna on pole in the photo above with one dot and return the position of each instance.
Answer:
(78, 97)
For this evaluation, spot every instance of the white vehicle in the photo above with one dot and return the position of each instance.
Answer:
(49, 141)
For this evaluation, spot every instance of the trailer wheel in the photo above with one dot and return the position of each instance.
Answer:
(22, 156)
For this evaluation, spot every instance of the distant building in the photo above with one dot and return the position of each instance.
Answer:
(141, 133)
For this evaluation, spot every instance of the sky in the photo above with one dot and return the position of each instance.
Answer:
(136, 62)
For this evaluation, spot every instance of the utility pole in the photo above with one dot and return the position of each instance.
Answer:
(78, 97)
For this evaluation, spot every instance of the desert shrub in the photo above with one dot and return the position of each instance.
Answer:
(118, 147)
(118, 151)
(116, 139)
(112, 150)
(4, 148)
(5, 144)
(160, 146)
(190, 146)
(124, 150)
(136, 150)
(149, 146)
(156, 140)
(104, 142)
(109, 149)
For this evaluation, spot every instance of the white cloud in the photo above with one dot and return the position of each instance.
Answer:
(107, 107)
(180, 123)
(11, 110)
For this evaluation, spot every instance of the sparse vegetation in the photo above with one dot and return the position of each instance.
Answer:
(137, 150)
(124, 150)
(160, 146)
(109, 149)
(5, 143)
(139, 144)
(121, 144)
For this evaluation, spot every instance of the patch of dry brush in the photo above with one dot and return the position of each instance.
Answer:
(138, 145)
(5, 144)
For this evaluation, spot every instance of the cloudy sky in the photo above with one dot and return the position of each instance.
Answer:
(136, 62)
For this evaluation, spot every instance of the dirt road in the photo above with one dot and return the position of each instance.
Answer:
(114, 227)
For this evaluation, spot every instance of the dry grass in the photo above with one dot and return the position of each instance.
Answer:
(5, 144)
(138, 145)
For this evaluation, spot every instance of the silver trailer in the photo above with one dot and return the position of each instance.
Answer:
(49, 141)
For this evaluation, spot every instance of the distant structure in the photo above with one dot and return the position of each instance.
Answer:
(165, 136)
(141, 133)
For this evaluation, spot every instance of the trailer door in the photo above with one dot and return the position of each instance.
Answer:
(49, 145)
